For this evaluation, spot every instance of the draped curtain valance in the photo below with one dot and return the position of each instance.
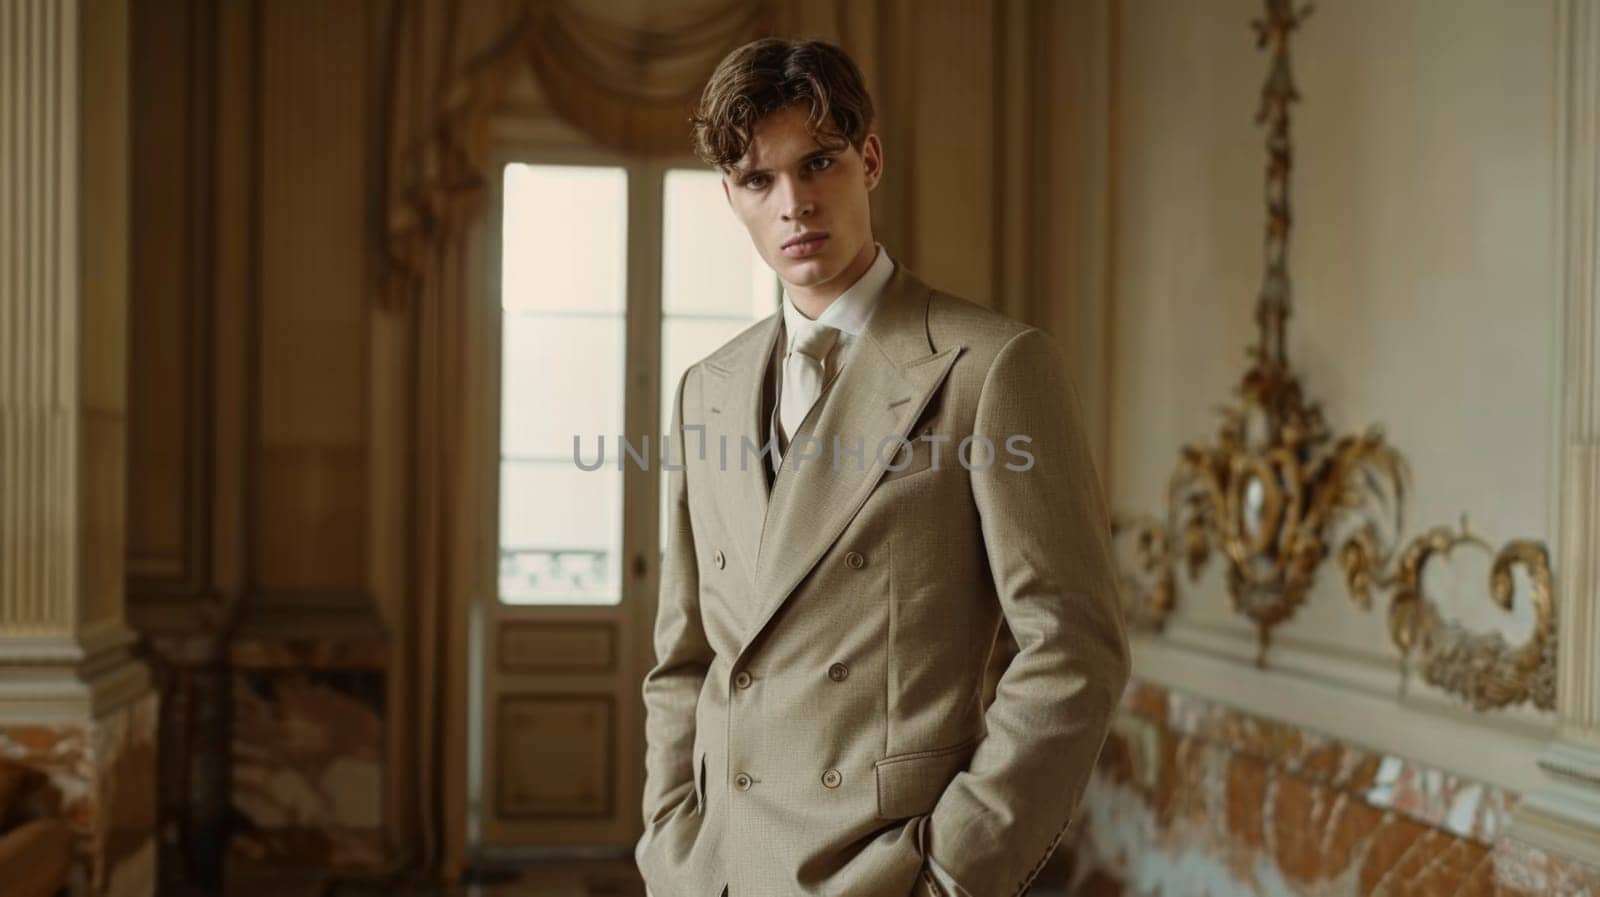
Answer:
(629, 80)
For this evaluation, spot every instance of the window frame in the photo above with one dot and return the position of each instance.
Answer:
(642, 374)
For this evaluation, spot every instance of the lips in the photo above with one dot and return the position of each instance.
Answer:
(806, 244)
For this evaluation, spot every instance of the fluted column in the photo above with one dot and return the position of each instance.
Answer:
(73, 704)
(63, 300)
(38, 368)
(1565, 817)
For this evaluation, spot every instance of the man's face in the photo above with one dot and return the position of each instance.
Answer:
(805, 205)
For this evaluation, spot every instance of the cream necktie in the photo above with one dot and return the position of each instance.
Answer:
(803, 374)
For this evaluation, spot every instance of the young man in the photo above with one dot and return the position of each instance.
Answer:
(814, 723)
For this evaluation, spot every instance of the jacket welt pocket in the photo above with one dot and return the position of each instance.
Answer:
(700, 783)
(910, 784)
(912, 457)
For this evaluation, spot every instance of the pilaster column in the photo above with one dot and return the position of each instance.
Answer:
(1565, 816)
(73, 703)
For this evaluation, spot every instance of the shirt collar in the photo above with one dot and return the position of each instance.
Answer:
(849, 312)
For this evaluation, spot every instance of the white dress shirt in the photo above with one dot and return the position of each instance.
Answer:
(848, 314)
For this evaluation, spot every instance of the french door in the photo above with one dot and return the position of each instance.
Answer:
(607, 278)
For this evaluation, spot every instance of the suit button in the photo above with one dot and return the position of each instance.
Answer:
(718, 559)
(855, 561)
(831, 778)
(838, 672)
(742, 680)
(742, 781)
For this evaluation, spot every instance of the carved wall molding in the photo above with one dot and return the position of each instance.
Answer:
(1578, 166)
(1276, 494)
(1564, 815)
(172, 409)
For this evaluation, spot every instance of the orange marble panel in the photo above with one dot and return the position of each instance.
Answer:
(1246, 801)
(1254, 807)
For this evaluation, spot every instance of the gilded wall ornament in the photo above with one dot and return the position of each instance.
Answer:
(1276, 491)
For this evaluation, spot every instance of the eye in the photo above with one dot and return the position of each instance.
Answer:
(821, 162)
(755, 182)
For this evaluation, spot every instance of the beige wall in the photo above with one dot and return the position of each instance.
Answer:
(994, 118)
(1427, 301)
(252, 302)
(310, 482)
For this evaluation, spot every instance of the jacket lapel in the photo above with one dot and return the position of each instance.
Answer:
(885, 381)
(735, 420)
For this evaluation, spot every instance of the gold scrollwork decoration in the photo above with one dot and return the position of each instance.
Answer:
(1147, 584)
(1483, 668)
(1275, 492)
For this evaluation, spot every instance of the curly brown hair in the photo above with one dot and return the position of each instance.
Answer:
(770, 74)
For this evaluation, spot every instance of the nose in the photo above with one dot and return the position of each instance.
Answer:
(794, 199)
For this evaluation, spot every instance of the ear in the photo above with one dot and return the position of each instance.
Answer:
(872, 159)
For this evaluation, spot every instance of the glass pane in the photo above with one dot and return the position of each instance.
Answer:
(574, 368)
(708, 264)
(559, 531)
(566, 232)
(713, 283)
(563, 327)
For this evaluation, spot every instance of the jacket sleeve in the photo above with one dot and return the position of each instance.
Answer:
(683, 654)
(1047, 535)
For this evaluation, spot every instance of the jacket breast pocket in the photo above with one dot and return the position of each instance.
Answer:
(910, 784)
(917, 454)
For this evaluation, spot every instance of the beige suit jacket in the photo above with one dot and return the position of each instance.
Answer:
(814, 720)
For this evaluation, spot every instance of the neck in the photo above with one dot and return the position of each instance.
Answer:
(814, 300)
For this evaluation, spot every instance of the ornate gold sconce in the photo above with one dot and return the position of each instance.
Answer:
(1275, 492)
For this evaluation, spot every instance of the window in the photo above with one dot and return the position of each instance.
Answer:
(566, 272)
